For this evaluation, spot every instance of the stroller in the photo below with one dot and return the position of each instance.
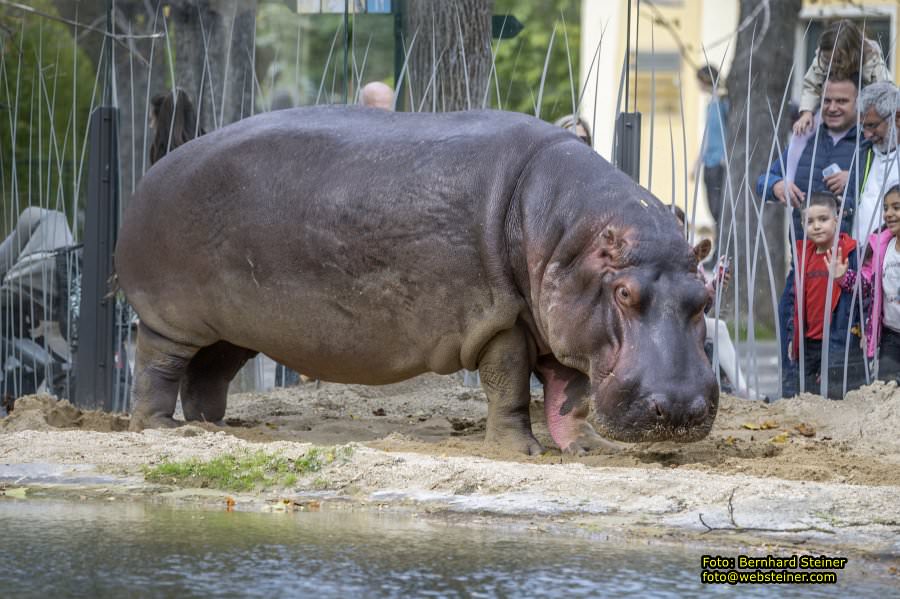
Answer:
(40, 295)
(40, 268)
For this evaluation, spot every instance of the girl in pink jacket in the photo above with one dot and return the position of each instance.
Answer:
(880, 274)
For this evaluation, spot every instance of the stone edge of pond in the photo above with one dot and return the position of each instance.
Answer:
(872, 542)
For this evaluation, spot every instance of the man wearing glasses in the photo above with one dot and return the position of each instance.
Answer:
(879, 170)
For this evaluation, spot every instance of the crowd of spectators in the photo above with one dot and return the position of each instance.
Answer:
(839, 310)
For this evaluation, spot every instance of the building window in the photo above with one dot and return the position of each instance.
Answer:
(665, 68)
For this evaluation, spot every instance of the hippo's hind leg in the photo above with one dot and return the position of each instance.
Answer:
(204, 389)
(505, 370)
(159, 365)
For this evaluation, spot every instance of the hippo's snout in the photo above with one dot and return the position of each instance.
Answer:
(636, 415)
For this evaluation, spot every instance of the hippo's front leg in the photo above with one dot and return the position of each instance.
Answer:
(505, 370)
(567, 405)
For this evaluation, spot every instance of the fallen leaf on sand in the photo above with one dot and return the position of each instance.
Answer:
(805, 430)
(765, 425)
(780, 437)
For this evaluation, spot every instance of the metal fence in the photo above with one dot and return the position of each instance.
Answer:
(49, 94)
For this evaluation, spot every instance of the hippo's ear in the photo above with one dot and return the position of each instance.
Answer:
(609, 251)
(612, 245)
(702, 249)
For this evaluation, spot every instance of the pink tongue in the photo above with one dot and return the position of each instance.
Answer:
(562, 412)
(554, 398)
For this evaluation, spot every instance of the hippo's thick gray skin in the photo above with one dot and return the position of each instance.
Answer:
(361, 246)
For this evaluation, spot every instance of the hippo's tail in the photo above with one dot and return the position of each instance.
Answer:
(112, 284)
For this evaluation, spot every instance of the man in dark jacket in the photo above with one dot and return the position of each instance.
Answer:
(834, 143)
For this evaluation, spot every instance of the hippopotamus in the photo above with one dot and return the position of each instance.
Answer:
(362, 246)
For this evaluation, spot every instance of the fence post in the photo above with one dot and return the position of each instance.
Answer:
(95, 362)
(627, 155)
(398, 14)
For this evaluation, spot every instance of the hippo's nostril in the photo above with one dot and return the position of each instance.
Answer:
(678, 411)
(698, 409)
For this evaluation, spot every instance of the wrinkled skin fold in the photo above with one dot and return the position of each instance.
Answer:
(359, 246)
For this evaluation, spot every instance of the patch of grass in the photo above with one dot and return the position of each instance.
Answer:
(245, 471)
(764, 332)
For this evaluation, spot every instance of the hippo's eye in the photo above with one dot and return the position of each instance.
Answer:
(623, 294)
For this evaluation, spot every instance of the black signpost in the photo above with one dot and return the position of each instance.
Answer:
(505, 26)
(627, 145)
(627, 153)
(96, 324)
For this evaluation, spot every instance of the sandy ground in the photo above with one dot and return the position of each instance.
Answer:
(806, 470)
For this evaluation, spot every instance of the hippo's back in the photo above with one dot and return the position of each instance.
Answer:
(344, 233)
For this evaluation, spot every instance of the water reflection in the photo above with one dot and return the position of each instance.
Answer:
(53, 549)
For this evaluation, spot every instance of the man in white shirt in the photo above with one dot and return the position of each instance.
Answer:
(879, 104)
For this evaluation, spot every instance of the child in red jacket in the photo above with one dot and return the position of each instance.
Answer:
(819, 270)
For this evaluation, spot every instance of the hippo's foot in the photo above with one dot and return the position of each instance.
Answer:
(139, 423)
(520, 441)
(586, 440)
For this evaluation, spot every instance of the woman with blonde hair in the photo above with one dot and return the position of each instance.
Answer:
(578, 126)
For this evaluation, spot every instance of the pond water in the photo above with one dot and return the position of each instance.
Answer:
(117, 549)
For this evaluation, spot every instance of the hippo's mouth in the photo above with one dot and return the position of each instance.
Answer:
(653, 432)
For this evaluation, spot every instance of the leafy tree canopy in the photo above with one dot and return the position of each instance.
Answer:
(46, 85)
(520, 60)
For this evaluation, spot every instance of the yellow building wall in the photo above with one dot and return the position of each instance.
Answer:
(670, 101)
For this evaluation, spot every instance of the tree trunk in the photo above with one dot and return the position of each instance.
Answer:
(134, 75)
(456, 34)
(769, 65)
(222, 64)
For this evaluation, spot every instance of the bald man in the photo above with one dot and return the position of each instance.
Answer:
(378, 95)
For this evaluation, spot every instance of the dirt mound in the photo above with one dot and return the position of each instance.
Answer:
(807, 438)
(43, 412)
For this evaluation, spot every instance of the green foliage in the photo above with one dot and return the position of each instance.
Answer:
(45, 90)
(763, 331)
(286, 66)
(246, 471)
(520, 60)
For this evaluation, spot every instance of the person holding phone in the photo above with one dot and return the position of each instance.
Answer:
(801, 171)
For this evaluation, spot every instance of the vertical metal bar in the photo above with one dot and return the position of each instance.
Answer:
(399, 54)
(345, 87)
(627, 153)
(627, 55)
(96, 325)
(637, 45)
